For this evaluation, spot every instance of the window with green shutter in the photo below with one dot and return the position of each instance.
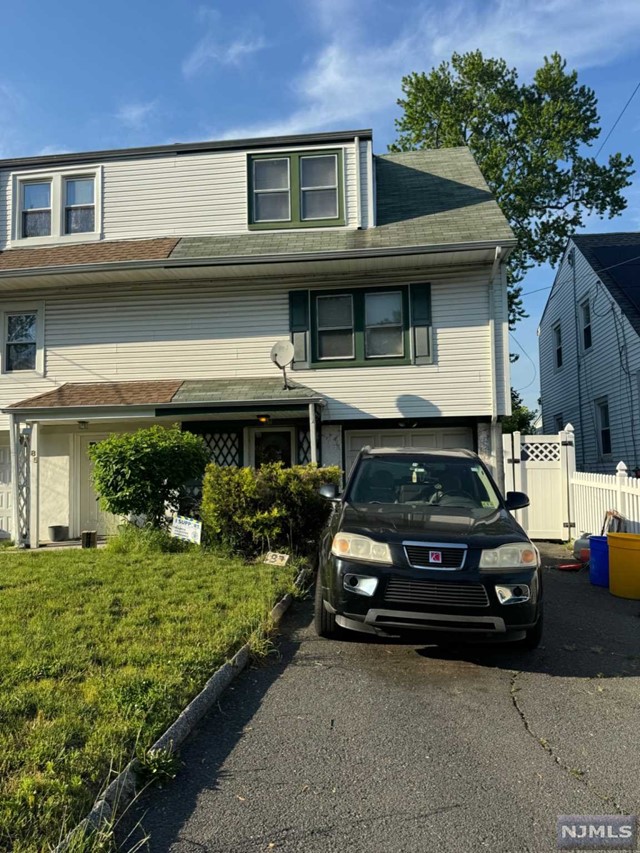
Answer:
(361, 327)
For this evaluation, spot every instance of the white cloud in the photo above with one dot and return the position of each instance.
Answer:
(350, 79)
(136, 115)
(211, 49)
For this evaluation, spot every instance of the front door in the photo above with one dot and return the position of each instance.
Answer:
(273, 445)
(91, 516)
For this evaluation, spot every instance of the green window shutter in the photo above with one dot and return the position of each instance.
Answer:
(420, 298)
(299, 327)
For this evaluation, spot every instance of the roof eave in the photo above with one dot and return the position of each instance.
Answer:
(242, 260)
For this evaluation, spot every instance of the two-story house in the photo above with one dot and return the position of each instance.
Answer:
(589, 341)
(149, 285)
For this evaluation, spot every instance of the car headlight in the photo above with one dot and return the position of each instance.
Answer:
(355, 547)
(516, 555)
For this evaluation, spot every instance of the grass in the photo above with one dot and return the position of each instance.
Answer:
(100, 651)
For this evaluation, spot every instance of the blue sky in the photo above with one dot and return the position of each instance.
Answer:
(80, 75)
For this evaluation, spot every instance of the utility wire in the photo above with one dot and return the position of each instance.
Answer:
(622, 112)
(597, 272)
(535, 369)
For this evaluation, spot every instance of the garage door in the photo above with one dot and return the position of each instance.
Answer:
(425, 439)
(6, 519)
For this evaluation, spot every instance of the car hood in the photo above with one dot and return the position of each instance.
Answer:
(395, 523)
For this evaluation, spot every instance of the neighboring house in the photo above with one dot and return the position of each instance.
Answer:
(590, 350)
(149, 285)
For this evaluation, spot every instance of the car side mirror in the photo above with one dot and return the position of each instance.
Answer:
(329, 491)
(516, 500)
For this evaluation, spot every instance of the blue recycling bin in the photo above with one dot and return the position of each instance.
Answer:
(599, 561)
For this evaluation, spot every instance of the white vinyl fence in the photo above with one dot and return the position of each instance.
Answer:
(594, 494)
(565, 503)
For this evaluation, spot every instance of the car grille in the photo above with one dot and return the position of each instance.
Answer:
(400, 591)
(421, 556)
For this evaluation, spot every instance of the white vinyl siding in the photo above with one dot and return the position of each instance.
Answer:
(182, 195)
(207, 330)
(603, 374)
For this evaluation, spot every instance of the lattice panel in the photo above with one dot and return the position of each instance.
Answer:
(304, 447)
(224, 447)
(541, 451)
(23, 488)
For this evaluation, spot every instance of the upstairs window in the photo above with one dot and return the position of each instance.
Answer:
(22, 338)
(79, 210)
(36, 209)
(585, 311)
(297, 190)
(61, 206)
(557, 344)
(20, 342)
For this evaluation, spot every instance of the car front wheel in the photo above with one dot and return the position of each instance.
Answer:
(325, 622)
(533, 636)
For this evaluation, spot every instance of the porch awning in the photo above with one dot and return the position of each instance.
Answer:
(166, 397)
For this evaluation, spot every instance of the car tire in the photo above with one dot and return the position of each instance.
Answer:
(325, 622)
(533, 636)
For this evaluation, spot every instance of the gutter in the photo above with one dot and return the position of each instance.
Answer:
(241, 260)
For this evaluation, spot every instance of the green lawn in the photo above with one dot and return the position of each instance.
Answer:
(99, 652)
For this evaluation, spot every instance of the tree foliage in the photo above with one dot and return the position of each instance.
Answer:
(144, 473)
(531, 141)
(521, 418)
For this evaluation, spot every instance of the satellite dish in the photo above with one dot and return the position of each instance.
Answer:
(282, 354)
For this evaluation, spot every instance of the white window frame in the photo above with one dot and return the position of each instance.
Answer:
(10, 308)
(351, 328)
(557, 346)
(303, 189)
(400, 325)
(585, 306)
(286, 189)
(57, 178)
(600, 403)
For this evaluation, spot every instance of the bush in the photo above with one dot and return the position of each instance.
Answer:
(273, 507)
(144, 473)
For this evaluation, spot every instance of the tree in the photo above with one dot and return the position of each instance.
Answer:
(143, 473)
(521, 418)
(528, 139)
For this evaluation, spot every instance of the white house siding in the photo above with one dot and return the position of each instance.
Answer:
(188, 194)
(206, 330)
(603, 370)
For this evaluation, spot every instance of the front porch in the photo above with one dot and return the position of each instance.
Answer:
(243, 422)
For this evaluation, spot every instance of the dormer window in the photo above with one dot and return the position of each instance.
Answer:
(36, 209)
(297, 190)
(57, 207)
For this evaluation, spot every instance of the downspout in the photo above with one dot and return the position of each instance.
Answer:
(313, 438)
(496, 442)
(358, 184)
(371, 216)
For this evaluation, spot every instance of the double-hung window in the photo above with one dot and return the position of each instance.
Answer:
(557, 346)
(296, 190)
(22, 338)
(604, 426)
(585, 311)
(57, 207)
(361, 327)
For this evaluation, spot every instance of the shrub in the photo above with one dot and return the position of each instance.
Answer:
(273, 507)
(142, 541)
(144, 473)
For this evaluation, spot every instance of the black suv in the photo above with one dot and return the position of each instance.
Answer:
(423, 541)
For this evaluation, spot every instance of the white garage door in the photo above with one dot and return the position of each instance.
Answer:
(430, 439)
(6, 519)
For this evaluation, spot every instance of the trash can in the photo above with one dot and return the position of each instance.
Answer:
(58, 533)
(599, 561)
(624, 564)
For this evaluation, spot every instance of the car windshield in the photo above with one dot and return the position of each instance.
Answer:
(433, 481)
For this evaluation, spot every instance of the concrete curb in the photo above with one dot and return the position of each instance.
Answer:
(121, 791)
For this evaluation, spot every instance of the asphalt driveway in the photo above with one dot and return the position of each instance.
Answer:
(364, 746)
